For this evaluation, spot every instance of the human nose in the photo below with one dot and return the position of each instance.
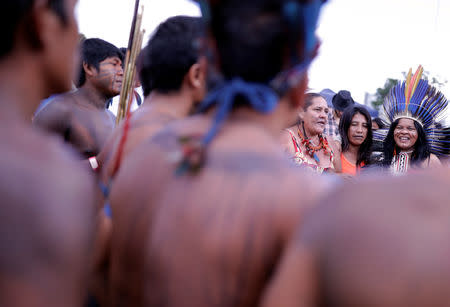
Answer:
(120, 70)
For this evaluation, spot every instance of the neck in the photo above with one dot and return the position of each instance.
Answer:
(92, 96)
(309, 135)
(270, 124)
(352, 152)
(408, 151)
(175, 105)
(21, 88)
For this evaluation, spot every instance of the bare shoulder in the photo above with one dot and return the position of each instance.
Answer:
(286, 141)
(47, 194)
(56, 109)
(434, 161)
(50, 174)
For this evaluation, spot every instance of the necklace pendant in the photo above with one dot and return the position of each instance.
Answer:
(316, 158)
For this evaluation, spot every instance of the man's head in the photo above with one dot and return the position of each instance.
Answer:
(341, 101)
(258, 40)
(172, 58)
(101, 65)
(48, 30)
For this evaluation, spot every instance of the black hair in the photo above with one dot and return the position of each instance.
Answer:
(93, 51)
(16, 12)
(379, 122)
(364, 150)
(421, 147)
(253, 38)
(169, 54)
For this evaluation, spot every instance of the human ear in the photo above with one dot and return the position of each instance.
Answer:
(195, 77)
(89, 69)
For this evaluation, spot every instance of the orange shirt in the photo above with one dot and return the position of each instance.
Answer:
(347, 167)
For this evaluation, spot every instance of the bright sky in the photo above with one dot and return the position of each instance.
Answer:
(364, 42)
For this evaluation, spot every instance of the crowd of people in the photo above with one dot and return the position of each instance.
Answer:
(231, 184)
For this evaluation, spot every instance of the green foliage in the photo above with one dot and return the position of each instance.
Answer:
(81, 37)
(382, 92)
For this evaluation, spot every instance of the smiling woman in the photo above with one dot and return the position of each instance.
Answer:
(414, 108)
(304, 141)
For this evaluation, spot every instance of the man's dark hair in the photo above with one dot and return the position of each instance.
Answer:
(16, 12)
(254, 37)
(421, 147)
(364, 150)
(93, 51)
(170, 53)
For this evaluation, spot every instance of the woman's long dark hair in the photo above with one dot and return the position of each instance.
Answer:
(421, 147)
(364, 150)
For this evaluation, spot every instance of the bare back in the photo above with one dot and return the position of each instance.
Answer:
(383, 242)
(47, 221)
(144, 123)
(83, 126)
(210, 239)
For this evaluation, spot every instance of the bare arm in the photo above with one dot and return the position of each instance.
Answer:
(434, 162)
(336, 148)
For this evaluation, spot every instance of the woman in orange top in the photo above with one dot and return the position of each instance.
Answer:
(355, 128)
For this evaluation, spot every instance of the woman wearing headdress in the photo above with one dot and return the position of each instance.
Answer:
(413, 141)
(355, 129)
(305, 142)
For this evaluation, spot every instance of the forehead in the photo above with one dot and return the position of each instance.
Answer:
(319, 102)
(111, 59)
(406, 122)
(358, 117)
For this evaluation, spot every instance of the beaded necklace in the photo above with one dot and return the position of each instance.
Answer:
(311, 149)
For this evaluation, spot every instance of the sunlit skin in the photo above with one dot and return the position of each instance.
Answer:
(357, 132)
(405, 134)
(315, 117)
(110, 75)
(47, 215)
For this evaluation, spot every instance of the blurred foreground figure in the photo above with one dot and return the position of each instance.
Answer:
(47, 210)
(202, 211)
(81, 117)
(380, 243)
(174, 82)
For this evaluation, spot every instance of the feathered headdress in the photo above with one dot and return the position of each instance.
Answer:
(415, 99)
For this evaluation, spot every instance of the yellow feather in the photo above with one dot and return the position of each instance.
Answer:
(418, 75)
(408, 80)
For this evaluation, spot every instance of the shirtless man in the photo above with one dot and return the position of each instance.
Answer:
(81, 117)
(173, 77)
(381, 242)
(212, 238)
(47, 212)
